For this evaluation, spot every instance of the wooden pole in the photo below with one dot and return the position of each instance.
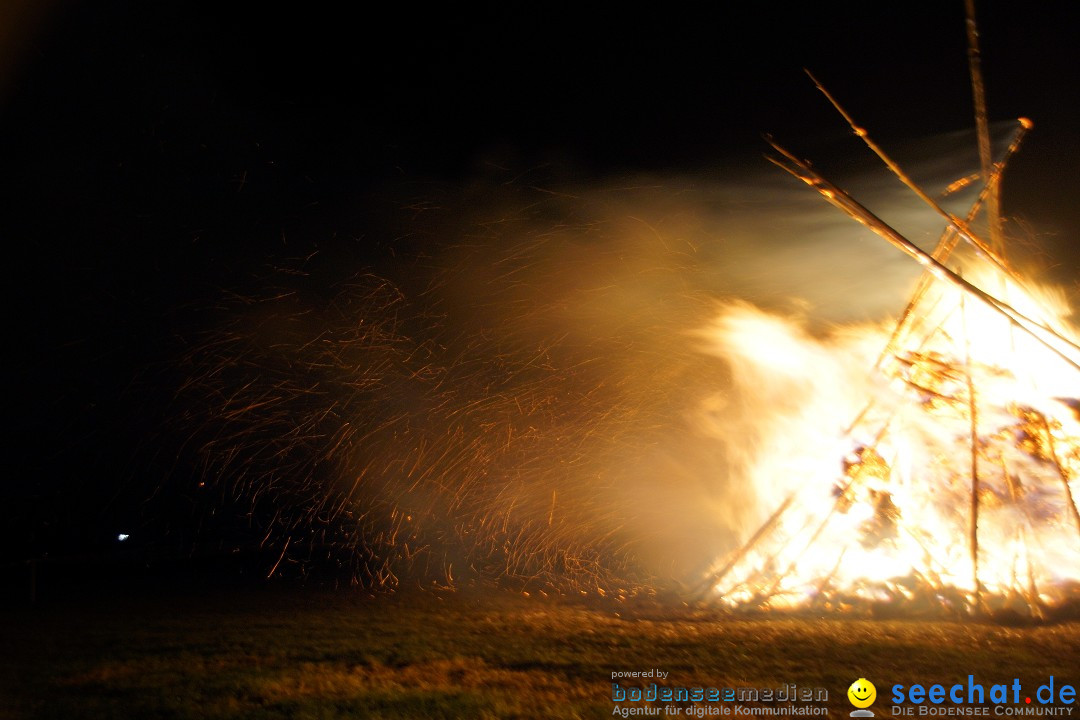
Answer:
(973, 527)
(1061, 471)
(717, 577)
(982, 126)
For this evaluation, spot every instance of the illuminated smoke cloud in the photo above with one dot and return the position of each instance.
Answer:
(531, 398)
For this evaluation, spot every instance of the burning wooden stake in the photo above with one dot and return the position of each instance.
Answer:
(717, 577)
(1052, 449)
(973, 414)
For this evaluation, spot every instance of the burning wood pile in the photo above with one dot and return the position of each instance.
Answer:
(953, 486)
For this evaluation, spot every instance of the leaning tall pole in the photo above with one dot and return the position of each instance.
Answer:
(982, 128)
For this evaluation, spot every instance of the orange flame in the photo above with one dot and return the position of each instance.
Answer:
(946, 473)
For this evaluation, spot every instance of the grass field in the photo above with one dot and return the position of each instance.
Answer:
(322, 655)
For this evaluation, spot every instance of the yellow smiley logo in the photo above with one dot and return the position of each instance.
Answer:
(862, 693)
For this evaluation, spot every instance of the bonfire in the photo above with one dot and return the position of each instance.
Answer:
(931, 465)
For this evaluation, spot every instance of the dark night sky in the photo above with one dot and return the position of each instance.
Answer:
(152, 152)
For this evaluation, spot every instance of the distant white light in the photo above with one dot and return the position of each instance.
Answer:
(122, 537)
